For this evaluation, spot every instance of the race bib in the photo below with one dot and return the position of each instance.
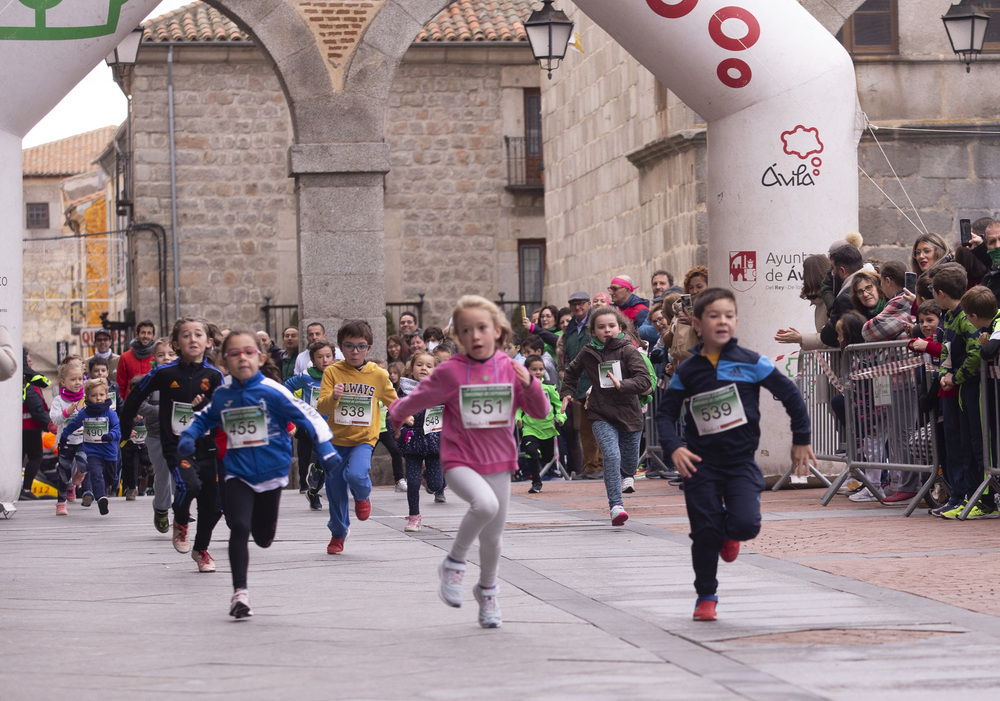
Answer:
(486, 406)
(113, 396)
(140, 435)
(615, 366)
(313, 396)
(93, 429)
(718, 411)
(434, 419)
(180, 417)
(245, 426)
(354, 410)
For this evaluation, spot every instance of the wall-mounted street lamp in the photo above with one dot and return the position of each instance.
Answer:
(549, 31)
(122, 60)
(966, 27)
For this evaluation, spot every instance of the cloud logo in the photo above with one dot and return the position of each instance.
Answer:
(802, 142)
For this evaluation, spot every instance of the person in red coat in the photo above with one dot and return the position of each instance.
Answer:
(138, 359)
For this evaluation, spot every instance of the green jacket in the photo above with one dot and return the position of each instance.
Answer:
(544, 428)
(573, 343)
(965, 348)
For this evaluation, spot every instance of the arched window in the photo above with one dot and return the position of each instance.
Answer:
(873, 30)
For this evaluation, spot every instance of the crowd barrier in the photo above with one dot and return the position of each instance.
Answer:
(881, 426)
(989, 402)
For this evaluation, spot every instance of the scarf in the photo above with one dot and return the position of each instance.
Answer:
(71, 397)
(98, 354)
(141, 352)
(594, 343)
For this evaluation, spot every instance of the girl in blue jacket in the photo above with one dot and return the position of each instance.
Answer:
(254, 412)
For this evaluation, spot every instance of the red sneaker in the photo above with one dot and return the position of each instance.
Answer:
(705, 611)
(363, 509)
(730, 551)
(336, 546)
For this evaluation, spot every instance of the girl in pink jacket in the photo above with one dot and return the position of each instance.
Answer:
(480, 389)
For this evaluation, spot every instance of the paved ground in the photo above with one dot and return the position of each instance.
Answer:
(843, 602)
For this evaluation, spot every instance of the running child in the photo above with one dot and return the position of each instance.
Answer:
(185, 386)
(618, 376)
(722, 483)
(349, 394)
(254, 411)
(97, 368)
(305, 386)
(480, 389)
(420, 440)
(537, 434)
(136, 464)
(72, 464)
(99, 423)
(149, 410)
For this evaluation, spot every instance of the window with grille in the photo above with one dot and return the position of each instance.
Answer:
(872, 29)
(38, 215)
(531, 254)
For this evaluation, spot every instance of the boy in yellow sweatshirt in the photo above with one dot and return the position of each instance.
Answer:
(350, 393)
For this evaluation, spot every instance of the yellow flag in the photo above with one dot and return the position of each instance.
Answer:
(576, 42)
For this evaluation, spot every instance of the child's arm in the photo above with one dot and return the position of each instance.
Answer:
(570, 379)
(639, 380)
(555, 403)
(666, 420)
(72, 425)
(432, 391)
(970, 336)
(330, 392)
(114, 433)
(147, 385)
(204, 420)
(992, 347)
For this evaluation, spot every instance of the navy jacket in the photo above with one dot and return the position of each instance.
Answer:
(107, 450)
(749, 371)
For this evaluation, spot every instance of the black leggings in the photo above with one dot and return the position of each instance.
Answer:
(433, 474)
(31, 447)
(386, 438)
(537, 454)
(304, 444)
(248, 513)
(196, 478)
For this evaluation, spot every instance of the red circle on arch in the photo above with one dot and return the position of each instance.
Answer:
(738, 65)
(675, 11)
(729, 43)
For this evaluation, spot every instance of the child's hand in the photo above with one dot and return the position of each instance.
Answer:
(81, 404)
(617, 383)
(409, 421)
(684, 461)
(520, 424)
(918, 345)
(565, 403)
(338, 391)
(984, 338)
(197, 400)
(802, 458)
(947, 382)
(522, 374)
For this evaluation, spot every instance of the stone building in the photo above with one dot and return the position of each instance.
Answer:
(460, 215)
(626, 160)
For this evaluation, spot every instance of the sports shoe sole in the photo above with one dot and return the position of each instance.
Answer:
(620, 519)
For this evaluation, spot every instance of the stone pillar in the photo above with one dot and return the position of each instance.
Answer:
(341, 233)
(10, 311)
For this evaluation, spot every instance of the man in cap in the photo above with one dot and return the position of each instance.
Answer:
(102, 342)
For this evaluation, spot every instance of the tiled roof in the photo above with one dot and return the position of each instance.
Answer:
(462, 21)
(69, 156)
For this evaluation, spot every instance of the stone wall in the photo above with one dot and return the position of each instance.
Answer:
(235, 201)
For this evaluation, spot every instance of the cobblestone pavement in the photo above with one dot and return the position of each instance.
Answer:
(844, 602)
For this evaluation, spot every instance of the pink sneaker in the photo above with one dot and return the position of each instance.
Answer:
(78, 478)
(71, 493)
(412, 524)
(61, 509)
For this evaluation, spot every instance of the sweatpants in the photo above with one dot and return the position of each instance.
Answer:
(196, 479)
(248, 513)
(349, 479)
(163, 480)
(723, 503)
(433, 474)
(389, 441)
(488, 496)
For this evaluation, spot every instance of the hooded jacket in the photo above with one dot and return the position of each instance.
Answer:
(636, 309)
(34, 410)
(618, 407)
(485, 450)
(306, 385)
(370, 381)
(268, 461)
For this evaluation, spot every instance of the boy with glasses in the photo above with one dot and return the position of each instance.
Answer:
(350, 392)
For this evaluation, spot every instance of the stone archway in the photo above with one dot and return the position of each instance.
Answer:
(336, 86)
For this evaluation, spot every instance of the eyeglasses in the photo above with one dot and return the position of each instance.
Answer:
(351, 348)
(866, 289)
(613, 288)
(234, 353)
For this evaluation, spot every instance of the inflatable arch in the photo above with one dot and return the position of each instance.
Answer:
(777, 90)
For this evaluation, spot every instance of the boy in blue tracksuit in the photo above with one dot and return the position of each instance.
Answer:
(254, 412)
(722, 483)
(101, 434)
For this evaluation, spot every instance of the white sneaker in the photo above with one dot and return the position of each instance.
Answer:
(451, 574)
(401, 485)
(863, 496)
(618, 515)
(489, 608)
(239, 605)
(628, 485)
(412, 524)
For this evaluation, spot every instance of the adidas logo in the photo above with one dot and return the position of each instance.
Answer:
(174, 385)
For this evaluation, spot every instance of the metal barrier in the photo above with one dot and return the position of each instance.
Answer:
(653, 449)
(884, 427)
(818, 382)
(989, 402)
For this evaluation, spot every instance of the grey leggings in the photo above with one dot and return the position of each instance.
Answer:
(488, 496)
(163, 485)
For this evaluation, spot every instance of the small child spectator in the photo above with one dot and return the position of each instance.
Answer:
(537, 435)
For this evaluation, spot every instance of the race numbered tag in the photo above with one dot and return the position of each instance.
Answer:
(313, 396)
(486, 406)
(245, 426)
(718, 411)
(353, 410)
(615, 366)
(93, 429)
(181, 417)
(113, 396)
(140, 435)
(434, 419)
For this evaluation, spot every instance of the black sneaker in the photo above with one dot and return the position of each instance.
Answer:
(161, 520)
(315, 503)
(102, 506)
(315, 477)
(439, 498)
(536, 487)
(28, 495)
